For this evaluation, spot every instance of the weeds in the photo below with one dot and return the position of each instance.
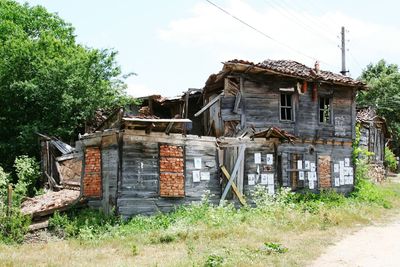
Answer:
(271, 247)
(214, 260)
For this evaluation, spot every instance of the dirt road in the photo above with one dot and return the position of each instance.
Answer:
(373, 246)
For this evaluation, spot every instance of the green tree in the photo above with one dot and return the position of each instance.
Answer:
(48, 82)
(383, 80)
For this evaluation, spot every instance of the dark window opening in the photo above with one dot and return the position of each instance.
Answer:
(286, 107)
(325, 110)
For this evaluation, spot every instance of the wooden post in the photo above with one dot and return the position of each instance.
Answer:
(9, 199)
(243, 100)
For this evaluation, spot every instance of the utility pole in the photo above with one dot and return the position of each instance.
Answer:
(343, 48)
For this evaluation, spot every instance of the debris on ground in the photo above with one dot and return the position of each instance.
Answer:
(49, 202)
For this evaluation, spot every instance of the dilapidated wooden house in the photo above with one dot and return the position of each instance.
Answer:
(374, 133)
(317, 107)
(273, 124)
(374, 136)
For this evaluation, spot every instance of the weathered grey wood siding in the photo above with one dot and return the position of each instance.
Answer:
(310, 152)
(138, 191)
(263, 147)
(260, 104)
(108, 143)
(109, 170)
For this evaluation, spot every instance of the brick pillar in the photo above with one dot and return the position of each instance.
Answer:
(92, 177)
(172, 178)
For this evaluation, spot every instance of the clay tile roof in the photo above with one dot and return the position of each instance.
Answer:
(296, 69)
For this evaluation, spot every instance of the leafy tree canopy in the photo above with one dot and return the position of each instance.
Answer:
(383, 80)
(48, 82)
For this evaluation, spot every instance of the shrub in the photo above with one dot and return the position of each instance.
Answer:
(390, 159)
(85, 224)
(28, 173)
(366, 191)
(13, 226)
(4, 181)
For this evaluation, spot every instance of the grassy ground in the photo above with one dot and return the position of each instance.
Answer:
(211, 236)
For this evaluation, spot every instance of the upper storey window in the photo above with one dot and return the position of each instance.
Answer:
(325, 110)
(286, 107)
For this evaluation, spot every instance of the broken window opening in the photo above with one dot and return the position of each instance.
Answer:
(294, 173)
(286, 107)
(325, 110)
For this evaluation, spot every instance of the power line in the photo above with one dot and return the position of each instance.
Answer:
(286, 11)
(318, 22)
(264, 34)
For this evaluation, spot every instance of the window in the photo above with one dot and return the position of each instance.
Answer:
(325, 110)
(286, 107)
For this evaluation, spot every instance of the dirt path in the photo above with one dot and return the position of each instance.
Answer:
(373, 246)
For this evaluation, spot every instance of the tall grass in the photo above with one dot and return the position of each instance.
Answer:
(282, 208)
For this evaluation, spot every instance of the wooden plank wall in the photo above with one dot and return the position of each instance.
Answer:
(261, 102)
(138, 191)
(108, 143)
(109, 168)
(250, 167)
(310, 153)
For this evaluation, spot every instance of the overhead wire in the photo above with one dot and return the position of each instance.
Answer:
(285, 4)
(325, 25)
(286, 11)
(266, 35)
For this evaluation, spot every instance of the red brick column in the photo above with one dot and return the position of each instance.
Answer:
(172, 178)
(92, 177)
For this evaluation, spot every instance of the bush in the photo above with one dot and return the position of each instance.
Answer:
(28, 173)
(390, 160)
(85, 224)
(366, 191)
(14, 226)
(4, 181)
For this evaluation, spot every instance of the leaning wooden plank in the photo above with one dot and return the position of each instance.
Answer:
(235, 189)
(237, 102)
(234, 172)
(169, 127)
(209, 104)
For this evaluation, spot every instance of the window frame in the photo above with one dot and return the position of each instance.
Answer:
(330, 109)
(286, 107)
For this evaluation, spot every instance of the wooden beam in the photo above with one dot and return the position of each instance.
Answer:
(169, 127)
(234, 172)
(212, 102)
(243, 114)
(156, 120)
(234, 187)
(237, 102)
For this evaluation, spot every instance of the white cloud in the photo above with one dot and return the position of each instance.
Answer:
(315, 36)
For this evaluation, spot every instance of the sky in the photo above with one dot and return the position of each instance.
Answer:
(176, 44)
